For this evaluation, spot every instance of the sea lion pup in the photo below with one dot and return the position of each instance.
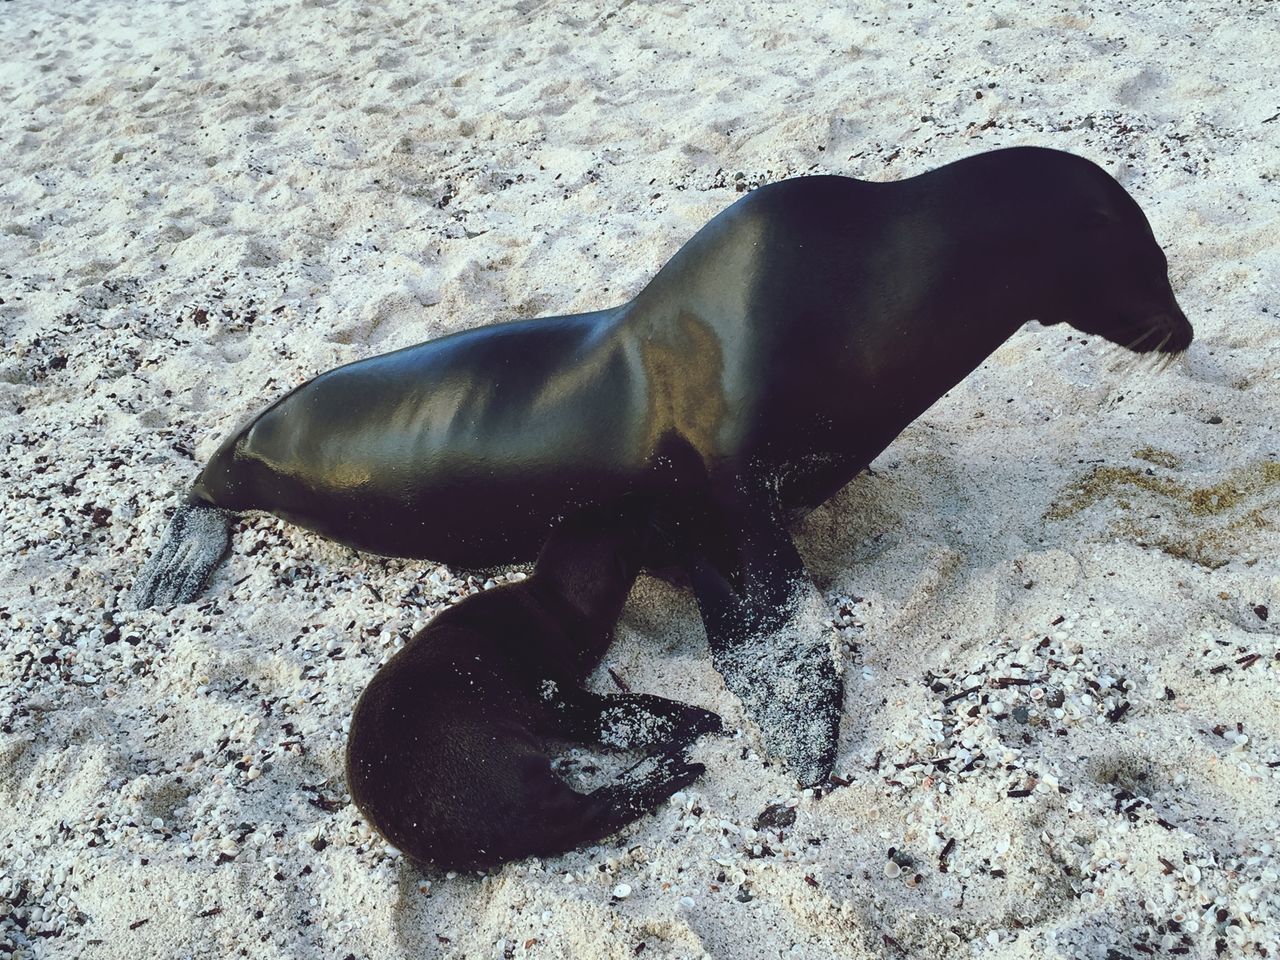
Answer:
(446, 756)
(777, 353)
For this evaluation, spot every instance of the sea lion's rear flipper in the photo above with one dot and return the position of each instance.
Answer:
(629, 721)
(195, 543)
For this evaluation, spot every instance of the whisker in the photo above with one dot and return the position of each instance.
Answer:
(1163, 342)
(1133, 344)
(1123, 360)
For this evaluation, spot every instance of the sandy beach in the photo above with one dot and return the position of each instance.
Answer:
(1057, 593)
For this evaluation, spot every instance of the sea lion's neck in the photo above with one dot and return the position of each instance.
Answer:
(974, 280)
(582, 629)
(993, 247)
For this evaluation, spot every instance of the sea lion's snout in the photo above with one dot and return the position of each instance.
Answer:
(1168, 332)
(1181, 332)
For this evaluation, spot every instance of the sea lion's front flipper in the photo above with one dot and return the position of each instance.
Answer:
(628, 721)
(198, 537)
(768, 643)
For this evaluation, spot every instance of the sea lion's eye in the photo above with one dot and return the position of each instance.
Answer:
(1096, 218)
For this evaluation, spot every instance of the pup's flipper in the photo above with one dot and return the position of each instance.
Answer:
(628, 721)
(639, 789)
(552, 818)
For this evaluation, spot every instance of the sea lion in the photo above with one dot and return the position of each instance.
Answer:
(769, 361)
(446, 756)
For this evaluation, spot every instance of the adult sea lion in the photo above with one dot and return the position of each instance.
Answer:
(769, 361)
(446, 755)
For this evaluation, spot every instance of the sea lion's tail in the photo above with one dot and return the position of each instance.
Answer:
(195, 543)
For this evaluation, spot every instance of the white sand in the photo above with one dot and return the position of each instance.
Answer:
(204, 204)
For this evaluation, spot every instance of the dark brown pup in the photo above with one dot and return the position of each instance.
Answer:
(446, 755)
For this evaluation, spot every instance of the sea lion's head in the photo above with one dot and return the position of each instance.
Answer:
(1113, 276)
